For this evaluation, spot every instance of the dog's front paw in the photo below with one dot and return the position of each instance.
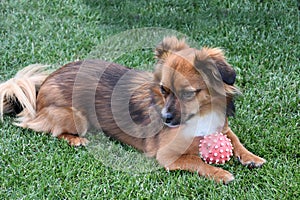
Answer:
(250, 160)
(223, 176)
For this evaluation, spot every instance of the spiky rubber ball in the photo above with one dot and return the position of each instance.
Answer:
(215, 148)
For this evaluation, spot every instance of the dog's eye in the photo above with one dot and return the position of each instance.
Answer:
(188, 95)
(163, 90)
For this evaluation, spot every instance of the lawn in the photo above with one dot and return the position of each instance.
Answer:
(261, 40)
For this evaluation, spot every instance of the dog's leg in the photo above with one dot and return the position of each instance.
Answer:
(63, 122)
(193, 163)
(244, 156)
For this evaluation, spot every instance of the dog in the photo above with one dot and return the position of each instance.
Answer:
(164, 114)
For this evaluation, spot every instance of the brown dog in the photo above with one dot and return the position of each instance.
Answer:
(163, 114)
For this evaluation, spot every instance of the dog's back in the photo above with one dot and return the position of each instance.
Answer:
(95, 94)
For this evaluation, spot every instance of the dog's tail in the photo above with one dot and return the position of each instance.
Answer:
(18, 95)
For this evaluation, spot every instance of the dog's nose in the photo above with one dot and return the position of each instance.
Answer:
(168, 117)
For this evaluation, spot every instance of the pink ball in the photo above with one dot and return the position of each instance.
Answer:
(215, 148)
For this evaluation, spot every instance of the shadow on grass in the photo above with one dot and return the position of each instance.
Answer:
(184, 15)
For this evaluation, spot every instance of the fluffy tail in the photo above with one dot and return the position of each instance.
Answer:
(18, 95)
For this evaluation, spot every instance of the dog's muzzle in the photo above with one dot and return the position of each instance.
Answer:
(170, 120)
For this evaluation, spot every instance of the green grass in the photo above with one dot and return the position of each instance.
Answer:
(261, 40)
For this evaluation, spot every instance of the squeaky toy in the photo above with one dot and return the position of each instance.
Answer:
(215, 148)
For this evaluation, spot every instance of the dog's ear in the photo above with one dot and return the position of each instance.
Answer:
(169, 44)
(216, 71)
(227, 72)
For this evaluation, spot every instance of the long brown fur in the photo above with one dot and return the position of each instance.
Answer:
(153, 112)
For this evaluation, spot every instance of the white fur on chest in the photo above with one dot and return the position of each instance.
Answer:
(204, 125)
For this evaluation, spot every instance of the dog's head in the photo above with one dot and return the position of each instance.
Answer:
(192, 82)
